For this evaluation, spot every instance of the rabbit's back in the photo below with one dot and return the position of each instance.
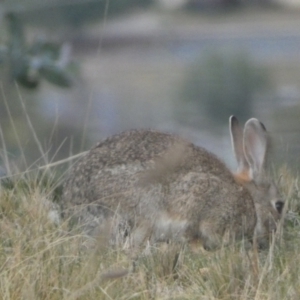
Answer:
(162, 178)
(151, 155)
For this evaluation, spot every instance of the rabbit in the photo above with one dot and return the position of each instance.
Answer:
(160, 187)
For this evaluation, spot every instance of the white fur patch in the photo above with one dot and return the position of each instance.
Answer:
(167, 227)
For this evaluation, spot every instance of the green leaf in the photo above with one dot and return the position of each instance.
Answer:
(28, 81)
(46, 49)
(56, 75)
(16, 30)
(3, 54)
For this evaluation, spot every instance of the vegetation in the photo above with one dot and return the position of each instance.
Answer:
(223, 83)
(76, 13)
(32, 62)
(28, 64)
(40, 259)
(287, 144)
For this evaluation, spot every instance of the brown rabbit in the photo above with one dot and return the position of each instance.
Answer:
(163, 187)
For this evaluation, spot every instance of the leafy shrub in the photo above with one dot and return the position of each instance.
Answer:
(75, 14)
(224, 84)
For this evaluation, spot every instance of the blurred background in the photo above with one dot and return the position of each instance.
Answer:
(76, 71)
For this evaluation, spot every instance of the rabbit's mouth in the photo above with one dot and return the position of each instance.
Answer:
(266, 233)
(263, 243)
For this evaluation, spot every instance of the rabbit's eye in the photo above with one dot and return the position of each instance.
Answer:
(279, 206)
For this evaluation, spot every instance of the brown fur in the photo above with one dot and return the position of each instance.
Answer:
(242, 177)
(162, 187)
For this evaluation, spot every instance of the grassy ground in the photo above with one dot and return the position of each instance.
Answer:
(40, 259)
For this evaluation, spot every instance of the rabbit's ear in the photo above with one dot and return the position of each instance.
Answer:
(255, 146)
(236, 132)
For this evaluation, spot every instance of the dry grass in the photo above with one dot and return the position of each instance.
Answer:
(40, 259)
